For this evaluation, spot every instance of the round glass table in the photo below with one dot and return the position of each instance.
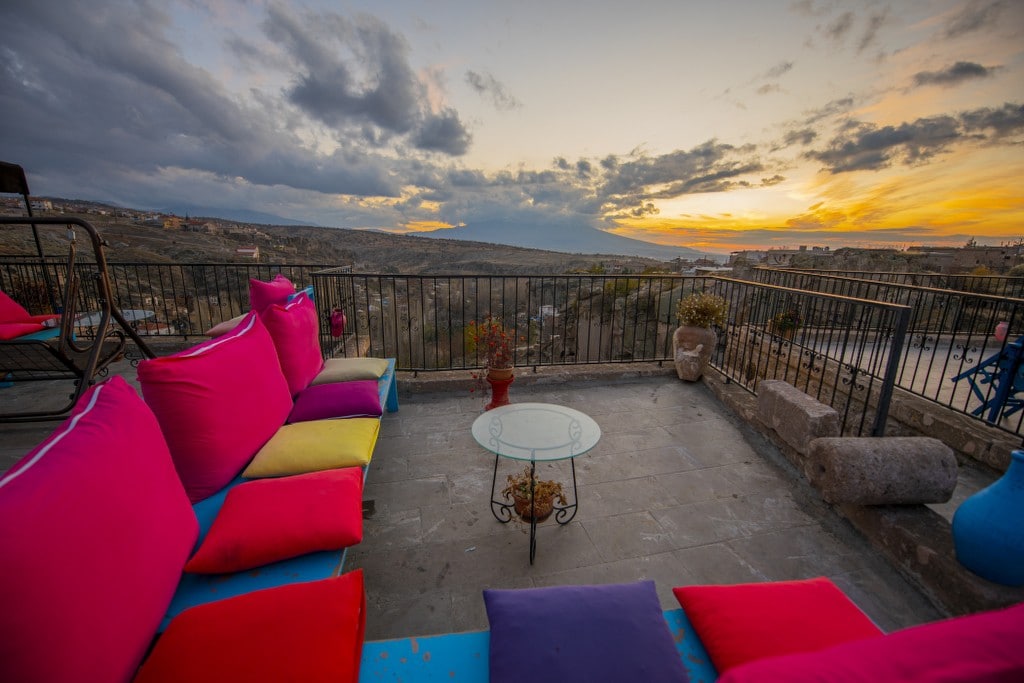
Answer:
(535, 432)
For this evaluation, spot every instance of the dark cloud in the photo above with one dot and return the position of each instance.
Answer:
(862, 146)
(443, 132)
(488, 86)
(804, 136)
(375, 86)
(830, 109)
(975, 15)
(710, 167)
(768, 88)
(875, 22)
(778, 70)
(952, 75)
(838, 29)
(774, 180)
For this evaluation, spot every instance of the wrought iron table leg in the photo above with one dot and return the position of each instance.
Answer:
(505, 509)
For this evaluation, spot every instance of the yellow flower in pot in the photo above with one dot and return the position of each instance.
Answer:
(694, 339)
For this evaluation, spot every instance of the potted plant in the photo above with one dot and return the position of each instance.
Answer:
(786, 323)
(490, 338)
(545, 492)
(694, 339)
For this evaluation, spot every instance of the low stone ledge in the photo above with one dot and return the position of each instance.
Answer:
(796, 417)
(888, 470)
(919, 543)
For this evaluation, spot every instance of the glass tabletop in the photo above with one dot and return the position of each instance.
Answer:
(536, 431)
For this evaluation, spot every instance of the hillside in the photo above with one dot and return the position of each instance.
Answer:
(369, 252)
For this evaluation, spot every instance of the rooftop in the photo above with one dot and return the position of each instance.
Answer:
(678, 490)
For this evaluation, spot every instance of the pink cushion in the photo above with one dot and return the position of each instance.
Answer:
(274, 519)
(15, 330)
(96, 528)
(11, 310)
(217, 404)
(745, 622)
(310, 632)
(295, 332)
(358, 398)
(264, 294)
(981, 648)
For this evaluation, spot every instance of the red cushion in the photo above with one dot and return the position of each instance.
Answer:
(274, 519)
(982, 648)
(744, 622)
(11, 311)
(357, 398)
(217, 404)
(15, 330)
(264, 294)
(95, 529)
(309, 632)
(295, 331)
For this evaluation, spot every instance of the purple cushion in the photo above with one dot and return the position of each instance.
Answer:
(981, 648)
(95, 530)
(262, 295)
(613, 632)
(359, 398)
(217, 404)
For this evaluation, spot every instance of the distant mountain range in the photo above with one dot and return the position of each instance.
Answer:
(572, 238)
(566, 237)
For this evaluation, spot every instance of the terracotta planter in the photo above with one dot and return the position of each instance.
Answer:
(544, 507)
(499, 379)
(691, 349)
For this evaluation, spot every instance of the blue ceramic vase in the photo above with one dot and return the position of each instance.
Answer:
(988, 528)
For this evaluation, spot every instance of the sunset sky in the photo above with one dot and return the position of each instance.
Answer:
(716, 125)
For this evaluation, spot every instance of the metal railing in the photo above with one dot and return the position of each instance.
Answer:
(844, 351)
(951, 332)
(1004, 285)
(841, 352)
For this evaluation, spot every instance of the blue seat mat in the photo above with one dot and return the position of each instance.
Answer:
(197, 589)
(464, 656)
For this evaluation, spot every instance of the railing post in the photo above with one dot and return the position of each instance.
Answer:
(891, 368)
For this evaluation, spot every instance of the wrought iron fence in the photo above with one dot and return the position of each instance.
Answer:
(963, 347)
(838, 349)
(1005, 285)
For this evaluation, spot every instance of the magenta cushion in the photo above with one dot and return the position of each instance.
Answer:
(358, 398)
(295, 331)
(11, 311)
(15, 330)
(981, 648)
(264, 294)
(95, 529)
(275, 519)
(217, 404)
(744, 622)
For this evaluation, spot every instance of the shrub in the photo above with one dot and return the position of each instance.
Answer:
(702, 310)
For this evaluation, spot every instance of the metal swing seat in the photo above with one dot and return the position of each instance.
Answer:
(998, 382)
(57, 354)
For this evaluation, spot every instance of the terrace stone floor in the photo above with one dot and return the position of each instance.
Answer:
(678, 490)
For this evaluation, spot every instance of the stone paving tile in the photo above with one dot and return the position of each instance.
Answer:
(724, 519)
(459, 522)
(409, 494)
(629, 535)
(722, 481)
(715, 564)
(595, 467)
(800, 552)
(624, 496)
(392, 531)
(891, 602)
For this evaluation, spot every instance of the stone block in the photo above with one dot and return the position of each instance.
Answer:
(889, 470)
(796, 417)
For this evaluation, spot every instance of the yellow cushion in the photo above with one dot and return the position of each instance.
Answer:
(314, 446)
(346, 369)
